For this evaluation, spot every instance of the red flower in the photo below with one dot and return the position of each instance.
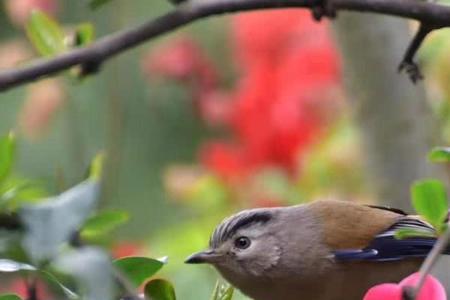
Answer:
(281, 103)
(124, 249)
(287, 69)
(226, 160)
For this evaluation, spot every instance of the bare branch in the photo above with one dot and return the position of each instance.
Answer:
(408, 63)
(91, 57)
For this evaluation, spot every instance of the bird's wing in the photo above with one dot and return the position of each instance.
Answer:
(347, 225)
(385, 247)
(388, 208)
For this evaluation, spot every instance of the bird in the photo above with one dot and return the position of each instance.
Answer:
(321, 250)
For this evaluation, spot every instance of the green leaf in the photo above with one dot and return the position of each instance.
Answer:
(49, 277)
(92, 269)
(138, 269)
(222, 292)
(84, 34)
(10, 297)
(7, 150)
(405, 233)
(45, 34)
(159, 289)
(103, 223)
(16, 192)
(94, 4)
(50, 224)
(440, 154)
(429, 199)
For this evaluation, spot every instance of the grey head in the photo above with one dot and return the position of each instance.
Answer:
(245, 245)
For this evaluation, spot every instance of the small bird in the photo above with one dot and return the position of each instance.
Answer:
(324, 250)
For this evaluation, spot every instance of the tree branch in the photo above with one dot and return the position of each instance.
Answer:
(408, 63)
(91, 57)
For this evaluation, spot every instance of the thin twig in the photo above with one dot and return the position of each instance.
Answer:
(111, 45)
(430, 261)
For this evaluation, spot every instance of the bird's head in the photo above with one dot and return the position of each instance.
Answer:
(244, 246)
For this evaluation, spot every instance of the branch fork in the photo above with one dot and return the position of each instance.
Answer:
(432, 16)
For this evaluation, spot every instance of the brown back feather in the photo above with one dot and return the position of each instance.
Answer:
(348, 225)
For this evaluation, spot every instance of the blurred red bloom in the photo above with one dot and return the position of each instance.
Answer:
(226, 160)
(124, 249)
(431, 290)
(19, 287)
(215, 107)
(282, 101)
(182, 60)
(20, 10)
(284, 97)
(185, 61)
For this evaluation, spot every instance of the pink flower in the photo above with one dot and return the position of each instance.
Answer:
(20, 10)
(432, 289)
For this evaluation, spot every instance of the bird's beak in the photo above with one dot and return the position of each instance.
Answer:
(203, 257)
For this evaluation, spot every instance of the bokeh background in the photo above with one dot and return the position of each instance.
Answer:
(229, 113)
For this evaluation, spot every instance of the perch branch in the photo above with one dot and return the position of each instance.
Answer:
(411, 292)
(90, 58)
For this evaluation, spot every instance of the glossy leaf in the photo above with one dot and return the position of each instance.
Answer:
(138, 269)
(103, 223)
(52, 223)
(159, 289)
(10, 297)
(404, 233)
(91, 268)
(7, 149)
(45, 34)
(222, 292)
(429, 199)
(9, 266)
(440, 154)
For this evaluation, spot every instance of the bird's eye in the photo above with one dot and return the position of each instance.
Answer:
(242, 242)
